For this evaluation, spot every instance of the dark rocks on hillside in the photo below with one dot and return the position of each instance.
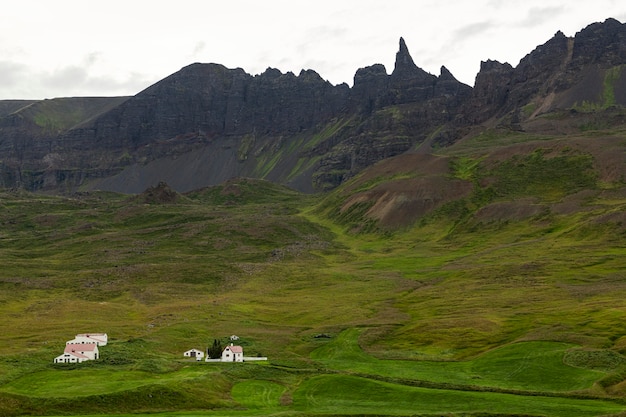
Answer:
(211, 101)
(448, 86)
(207, 123)
(159, 194)
(544, 61)
(491, 90)
(371, 85)
(552, 68)
(405, 68)
(601, 43)
(536, 71)
(409, 82)
(286, 104)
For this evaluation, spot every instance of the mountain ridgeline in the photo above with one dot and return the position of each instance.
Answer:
(206, 123)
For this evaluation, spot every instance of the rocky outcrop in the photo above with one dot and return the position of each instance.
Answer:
(562, 73)
(209, 101)
(600, 43)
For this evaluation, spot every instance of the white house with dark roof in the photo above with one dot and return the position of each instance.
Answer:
(232, 353)
(100, 339)
(77, 353)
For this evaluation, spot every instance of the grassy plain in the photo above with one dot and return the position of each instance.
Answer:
(461, 313)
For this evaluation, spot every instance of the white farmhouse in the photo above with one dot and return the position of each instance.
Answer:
(99, 339)
(232, 353)
(194, 353)
(78, 353)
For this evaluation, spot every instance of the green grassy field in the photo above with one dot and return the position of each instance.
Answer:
(457, 314)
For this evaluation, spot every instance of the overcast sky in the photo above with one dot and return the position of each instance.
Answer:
(65, 48)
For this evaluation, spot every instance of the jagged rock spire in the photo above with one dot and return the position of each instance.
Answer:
(446, 75)
(404, 62)
(405, 68)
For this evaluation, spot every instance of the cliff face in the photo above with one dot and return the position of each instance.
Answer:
(210, 101)
(560, 74)
(207, 123)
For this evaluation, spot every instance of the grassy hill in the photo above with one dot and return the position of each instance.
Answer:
(59, 114)
(487, 279)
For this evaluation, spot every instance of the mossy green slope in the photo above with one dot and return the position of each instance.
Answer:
(467, 310)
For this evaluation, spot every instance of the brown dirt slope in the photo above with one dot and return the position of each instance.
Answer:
(408, 187)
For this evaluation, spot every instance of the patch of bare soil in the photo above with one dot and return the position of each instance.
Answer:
(617, 219)
(510, 211)
(575, 203)
(47, 220)
(407, 164)
(401, 202)
(231, 189)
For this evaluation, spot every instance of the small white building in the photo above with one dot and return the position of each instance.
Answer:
(75, 353)
(232, 353)
(194, 353)
(99, 339)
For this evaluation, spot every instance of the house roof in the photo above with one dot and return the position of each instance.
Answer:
(235, 349)
(83, 348)
(74, 353)
(100, 337)
(194, 350)
(81, 341)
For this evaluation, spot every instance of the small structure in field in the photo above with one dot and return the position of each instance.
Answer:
(234, 338)
(75, 353)
(194, 353)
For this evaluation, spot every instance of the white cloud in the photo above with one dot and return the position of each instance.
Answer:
(113, 47)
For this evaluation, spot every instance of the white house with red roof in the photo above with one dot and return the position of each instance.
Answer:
(77, 353)
(99, 339)
(232, 353)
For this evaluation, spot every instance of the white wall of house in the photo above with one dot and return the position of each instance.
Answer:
(232, 354)
(194, 353)
(78, 353)
(69, 358)
(101, 339)
(81, 341)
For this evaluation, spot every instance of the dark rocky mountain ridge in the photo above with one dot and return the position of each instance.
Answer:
(206, 123)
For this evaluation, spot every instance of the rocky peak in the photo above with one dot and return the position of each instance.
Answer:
(543, 62)
(373, 72)
(405, 68)
(493, 75)
(310, 76)
(603, 43)
(553, 51)
(371, 85)
(445, 75)
(447, 85)
(404, 62)
(490, 92)
(270, 73)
